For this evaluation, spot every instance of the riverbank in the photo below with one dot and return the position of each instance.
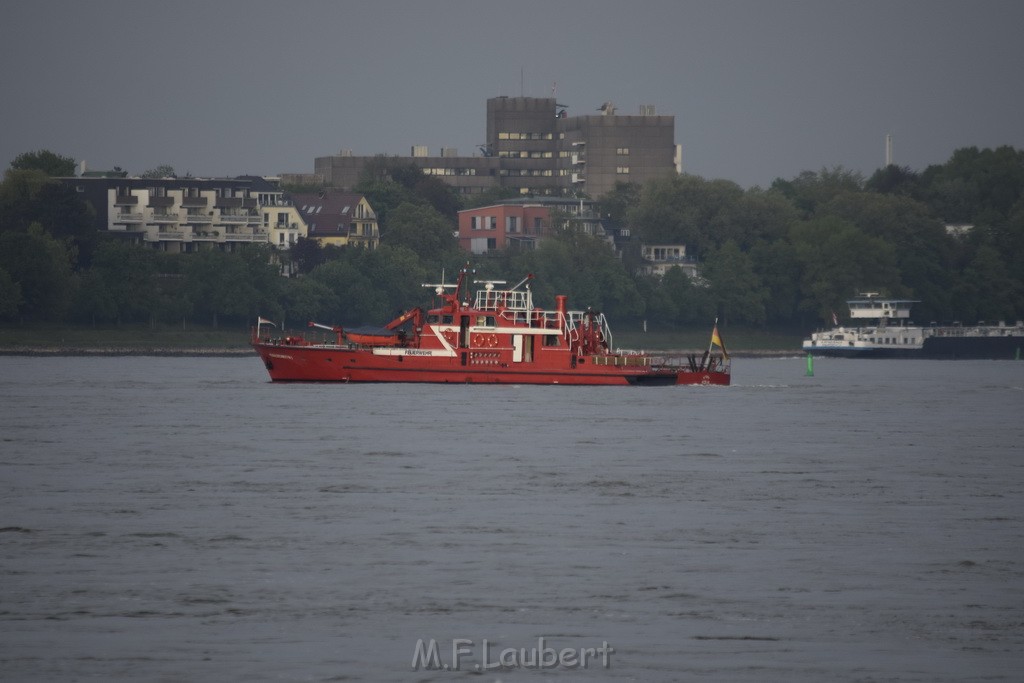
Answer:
(239, 352)
(122, 351)
(127, 340)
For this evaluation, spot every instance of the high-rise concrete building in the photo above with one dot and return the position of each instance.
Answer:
(535, 148)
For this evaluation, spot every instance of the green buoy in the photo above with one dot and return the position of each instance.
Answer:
(810, 365)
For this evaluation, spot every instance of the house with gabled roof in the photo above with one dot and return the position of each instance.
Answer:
(338, 218)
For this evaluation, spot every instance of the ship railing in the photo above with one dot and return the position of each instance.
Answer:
(625, 361)
(510, 299)
(574, 320)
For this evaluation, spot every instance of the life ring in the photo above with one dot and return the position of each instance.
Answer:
(706, 379)
(492, 340)
(478, 340)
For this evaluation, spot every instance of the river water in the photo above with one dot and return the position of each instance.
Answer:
(183, 519)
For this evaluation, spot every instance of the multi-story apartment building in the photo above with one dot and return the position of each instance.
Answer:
(187, 214)
(184, 214)
(338, 218)
(658, 258)
(536, 149)
(522, 223)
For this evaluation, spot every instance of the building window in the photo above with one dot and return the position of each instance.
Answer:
(492, 243)
(622, 170)
(493, 223)
(622, 151)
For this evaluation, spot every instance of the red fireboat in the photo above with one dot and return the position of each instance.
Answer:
(501, 338)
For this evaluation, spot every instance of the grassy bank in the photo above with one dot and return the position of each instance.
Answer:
(138, 338)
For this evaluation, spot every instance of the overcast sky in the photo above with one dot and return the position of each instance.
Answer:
(759, 89)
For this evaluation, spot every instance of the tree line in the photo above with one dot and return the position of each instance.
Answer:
(787, 256)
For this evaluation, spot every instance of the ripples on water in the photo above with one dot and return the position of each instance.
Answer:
(184, 519)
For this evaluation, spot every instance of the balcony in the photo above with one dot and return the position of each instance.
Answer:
(126, 200)
(197, 202)
(205, 236)
(234, 220)
(244, 237)
(126, 217)
(197, 218)
(164, 218)
(165, 235)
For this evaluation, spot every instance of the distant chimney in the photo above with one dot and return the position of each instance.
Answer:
(82, 168)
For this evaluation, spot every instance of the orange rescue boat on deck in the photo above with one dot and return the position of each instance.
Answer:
(497, 338)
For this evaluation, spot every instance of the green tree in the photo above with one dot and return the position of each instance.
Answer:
(422, 229)
(974, 182)
(684, 210)
(126, 276)
(809, 190)
(735, 286)
(30, 196)
(614, 206)
(41, 267)
(776, 265)
(398, 273)
(264, 278)
(837, 261)
(986, 291)
(10, 295)
(922, 247)
(388, 182)
(162, 171)
(585, 269)
(218, 284)
(359, 301)
(897, 180)
(18, 193)
(305, 299)
(676, 299)
(94, 300)
(46, 161)
(306, 254)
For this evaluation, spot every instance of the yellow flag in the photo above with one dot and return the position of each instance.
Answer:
(716, 340)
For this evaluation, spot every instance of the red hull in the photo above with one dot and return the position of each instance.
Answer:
(500, 339)
(288, 363)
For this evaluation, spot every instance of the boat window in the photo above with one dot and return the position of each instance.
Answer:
(432, 318)
(551, 340)
(447, 320)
